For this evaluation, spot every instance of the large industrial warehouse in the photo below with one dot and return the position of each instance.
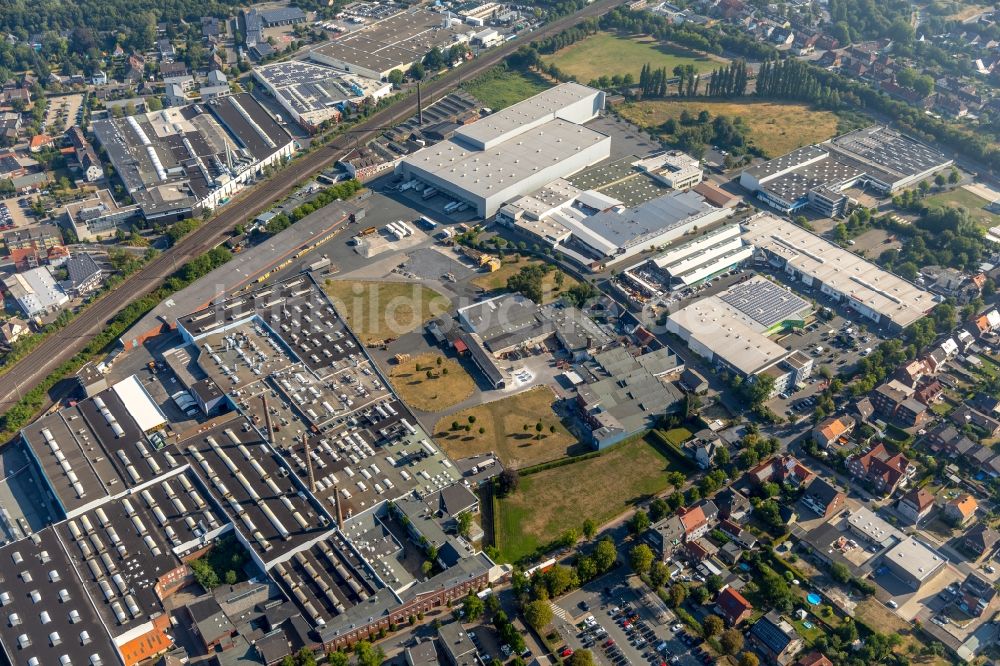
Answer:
(313, 94)
(175, 161)
(514, 151)
(395, 42)
(731, 328)
(816, 176)
(875, 293)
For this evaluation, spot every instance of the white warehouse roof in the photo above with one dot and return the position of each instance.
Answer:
(139, 404)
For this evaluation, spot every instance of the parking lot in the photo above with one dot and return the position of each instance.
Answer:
(615, 619)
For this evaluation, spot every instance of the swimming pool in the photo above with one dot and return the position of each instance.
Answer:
(813, 598)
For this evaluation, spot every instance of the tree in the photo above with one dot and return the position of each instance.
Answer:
(369, 655)
(337, 658)
(678, 593)
(473, 607)
(538, 614)
(605, 554)
(580, 658)
(731, 641)
(417, 71)
(396, 77)
(712, 626)
(641, 558)
(840, 573)
(749, 659)
(589, 528)
(639, 522)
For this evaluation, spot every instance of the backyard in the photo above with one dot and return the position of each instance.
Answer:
(503, 423)
(607, 54)
(431, 383)
(548, 503)
(775, 128)
(377, 311)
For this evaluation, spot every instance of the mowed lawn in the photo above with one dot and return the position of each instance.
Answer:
(497, 280)
(380, 310)
(606, 54)
(963, 198)
(500, 90)
(447, 385)
(550, 502)
(775, 128)
(503, 422)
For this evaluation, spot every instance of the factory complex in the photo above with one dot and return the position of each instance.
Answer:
(313, 94)
(276, 434)
(731, 329)
(178, 160)
(873, 292)
(394, 42)
(816, 176)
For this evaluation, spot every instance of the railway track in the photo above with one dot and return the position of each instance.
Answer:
(64, 344)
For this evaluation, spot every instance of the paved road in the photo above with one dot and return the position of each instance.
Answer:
(61, 346)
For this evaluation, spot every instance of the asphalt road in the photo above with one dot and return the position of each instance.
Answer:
(61, 346)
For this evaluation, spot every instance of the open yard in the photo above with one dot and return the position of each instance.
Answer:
(548, 503)
(430, 382)
(381, 310)
(498, 89)
(963, 198)
(873, 613)
(497, 280)
(606, 54)
(503, 422)
(775, 128)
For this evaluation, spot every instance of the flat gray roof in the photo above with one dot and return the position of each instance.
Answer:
(875, 288)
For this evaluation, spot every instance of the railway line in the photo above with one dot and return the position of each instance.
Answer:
(65, 343)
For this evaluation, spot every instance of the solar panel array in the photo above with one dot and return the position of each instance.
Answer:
(764, 302)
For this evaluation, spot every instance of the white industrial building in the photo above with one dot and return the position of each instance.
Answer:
(692, 262)
(514, 151)
(672, 168)
(730, 329)
(875, 293)
(35, 291)
(313, 94)
(816, 176)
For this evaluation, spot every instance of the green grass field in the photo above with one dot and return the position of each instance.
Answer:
(606, 54)
(437, 392)
(504, 421)
(975, 204)
(501, 88)
(775, 128)
(548, 503)
(381, 310)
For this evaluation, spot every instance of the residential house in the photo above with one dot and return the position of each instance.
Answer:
(781, 469)
(733, 606)
(987, 322)
(960, 510)
(915, 505)
(85, 155)
(84, 275)
(889, 396)
(693, 381)
(665, 536)
(832, 430)
(981, 540)
(733, 505)
(40, 142)
(701, 449)
(12, 330)
(737, 534)
(776, 639)
(823, 499)
(814, 659)
(911, 373)
(976, 595)
(966, 415)
(928, 392)
(881, 469)
(936, 360)
(695, 523)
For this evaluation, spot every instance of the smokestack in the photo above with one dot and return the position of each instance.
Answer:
(267, 418)
(420, 107)
(336, 501)
(309, 465)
